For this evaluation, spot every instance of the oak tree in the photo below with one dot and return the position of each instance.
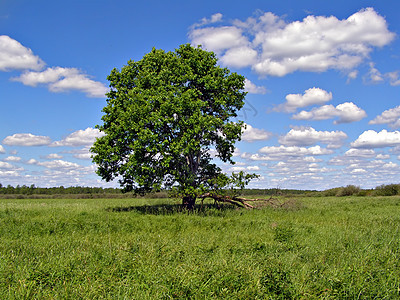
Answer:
(165, 116)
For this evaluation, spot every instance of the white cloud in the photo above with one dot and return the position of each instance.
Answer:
(294, 151)
(14, 56)
(315, 44)
(85, 156)
(239, 57)
(218, 38)
(253, 168)
(390, 116)
(79, 138)
(237, 169)
(8, 174)
(312, 96)
(383, 156)
(251, 134)
(216, 18)
(8, 171)
(346, 113)
(85, 153)
(59, 164)
(64, 79)
(358, 171)
(253, 89)
(393, 78)
(2, 150)
(248, 168)
(273, 153)
(53, 156)
(352, 75)
(12, 158)
(373, 75)
(213, 19)
(5, 165)
(365, 153)
(309, 136)
(32, 161)
(26, 139)
(373, 139)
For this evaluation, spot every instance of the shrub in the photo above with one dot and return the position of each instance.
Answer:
(387, 190)
(349, 190)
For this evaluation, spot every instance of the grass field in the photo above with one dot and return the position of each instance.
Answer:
(316, 248)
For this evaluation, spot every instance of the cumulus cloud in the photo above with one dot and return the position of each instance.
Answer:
(219, 38)
(12, 158)
(294, 151)
(59, 164)
(253, 89)
(273, 153)
(26, 139)
(360, 153)
(32, 161)
(352, 75)
(383, 156)
(14, 56)
(390, 116)
(315, 44)
(240, 57)
(312, 96)
(85, 153)
(85, 156)
(9, 171)
(5, 165)
(53, 156)
(373, 75)
(79, 138)
(346, 113)
(393, 78)
(248, 168)
(213, 19)
(358, 171)
(309, 136)
(373, 139)
(62, 80)
(251, 134)
(2, 150)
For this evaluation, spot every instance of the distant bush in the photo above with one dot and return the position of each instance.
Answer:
(330, 193)
(364, 193)
(387, 190)
(349, 190)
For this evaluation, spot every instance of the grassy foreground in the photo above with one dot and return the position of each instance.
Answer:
(323, 248)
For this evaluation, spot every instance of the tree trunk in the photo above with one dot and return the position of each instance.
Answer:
(188, 202)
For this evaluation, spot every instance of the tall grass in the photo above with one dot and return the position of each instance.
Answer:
(325, 248)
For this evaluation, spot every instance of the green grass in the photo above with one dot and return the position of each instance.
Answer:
(318, 248)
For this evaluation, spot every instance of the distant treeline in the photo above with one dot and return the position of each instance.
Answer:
(98, 191)
(33, 191)
(73, 190)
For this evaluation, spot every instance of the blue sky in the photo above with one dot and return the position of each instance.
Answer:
(323, 82)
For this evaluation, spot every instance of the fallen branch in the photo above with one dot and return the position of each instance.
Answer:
(242, 202)
(238, 201)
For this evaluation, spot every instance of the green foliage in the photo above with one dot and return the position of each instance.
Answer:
(61, 190)
(387, 190)
(230, 185)
(164, 113)
(349, 190)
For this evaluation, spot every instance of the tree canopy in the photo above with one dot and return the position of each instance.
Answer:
(164, 116)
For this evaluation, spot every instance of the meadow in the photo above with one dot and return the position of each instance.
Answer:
(312, 248)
